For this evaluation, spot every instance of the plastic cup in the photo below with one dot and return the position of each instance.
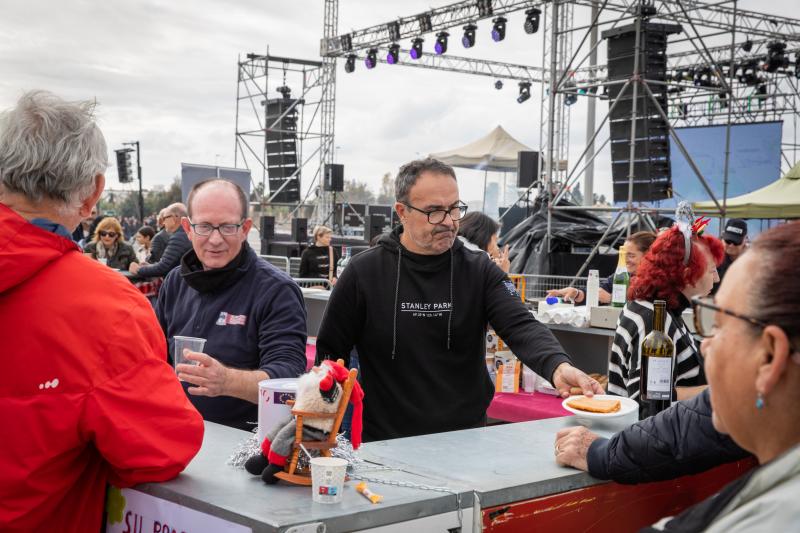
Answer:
(194, 344)
(327, 479)
(102, 261)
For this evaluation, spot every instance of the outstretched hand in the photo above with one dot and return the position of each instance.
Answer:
(567, 376)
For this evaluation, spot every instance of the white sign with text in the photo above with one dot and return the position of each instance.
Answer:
(132, 511)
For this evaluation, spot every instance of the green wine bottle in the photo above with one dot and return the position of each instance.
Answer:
(655, 377)
(621, 281)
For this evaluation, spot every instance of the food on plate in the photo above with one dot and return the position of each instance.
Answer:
(600, 378)
(594, 405)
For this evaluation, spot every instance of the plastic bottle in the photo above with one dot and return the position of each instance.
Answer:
(593, 289)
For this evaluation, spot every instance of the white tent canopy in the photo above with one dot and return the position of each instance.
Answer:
(497, 151)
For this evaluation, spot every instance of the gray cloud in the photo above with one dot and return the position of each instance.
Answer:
(165, 74)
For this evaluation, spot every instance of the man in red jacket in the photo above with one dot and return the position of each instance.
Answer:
(87, 396)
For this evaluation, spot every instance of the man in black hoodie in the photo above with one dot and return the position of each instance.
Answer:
(416, 307)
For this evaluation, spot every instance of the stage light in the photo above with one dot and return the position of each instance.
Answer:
(499, 29)
(797, 65)
(347, 42)
(776, 57)
(747, 45)
(524, 91)
(372, 58)
(441, 42)
(468, 40)
(569, 96)
(393, 29)
(532, 20)
(425, 24)
(350, 63)
(393, 55)
(498, 84)
(416, 48)
(761, 94)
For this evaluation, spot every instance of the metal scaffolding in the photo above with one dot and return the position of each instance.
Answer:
(708, 80)
(259, 78)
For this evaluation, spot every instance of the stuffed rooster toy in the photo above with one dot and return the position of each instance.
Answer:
(318, 391)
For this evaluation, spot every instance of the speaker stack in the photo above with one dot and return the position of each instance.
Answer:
(651, 166)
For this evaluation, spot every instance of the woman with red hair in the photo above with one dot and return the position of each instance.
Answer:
(667, 272)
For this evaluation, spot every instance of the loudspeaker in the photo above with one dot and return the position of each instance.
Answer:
(527, 168)
(267, 227)
(375, 224)
(651, 153)
(281, 147)
(300, 229)
(334, 178)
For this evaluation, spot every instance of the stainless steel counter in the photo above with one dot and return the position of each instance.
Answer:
(502, 464)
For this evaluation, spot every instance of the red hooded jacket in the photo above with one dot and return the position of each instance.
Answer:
(86, 396)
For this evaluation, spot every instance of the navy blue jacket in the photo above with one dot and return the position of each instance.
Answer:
(676, 442)
(258, 323)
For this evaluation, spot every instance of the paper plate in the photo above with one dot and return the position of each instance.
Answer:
(626, 407)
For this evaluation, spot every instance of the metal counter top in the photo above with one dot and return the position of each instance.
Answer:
(210, 486)
(502, 464)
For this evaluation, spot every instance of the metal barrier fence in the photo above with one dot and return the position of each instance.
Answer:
(278, 261)
(294, 267)
(314, 283)
(534, 287)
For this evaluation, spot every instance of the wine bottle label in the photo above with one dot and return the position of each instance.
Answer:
(659, 378)
(618, 294)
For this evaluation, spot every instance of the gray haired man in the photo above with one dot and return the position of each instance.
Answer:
(81, 410)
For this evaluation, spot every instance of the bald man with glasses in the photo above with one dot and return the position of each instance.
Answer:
(251, 314)
(416, 307)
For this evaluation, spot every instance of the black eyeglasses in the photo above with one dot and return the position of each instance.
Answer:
(437, 216)
(111, 234)
(704, 321)
(205, 229)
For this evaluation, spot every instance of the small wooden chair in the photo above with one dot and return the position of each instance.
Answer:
(299, 476)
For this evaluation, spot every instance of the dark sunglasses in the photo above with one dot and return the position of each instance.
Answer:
(111, 234)
(726, 241)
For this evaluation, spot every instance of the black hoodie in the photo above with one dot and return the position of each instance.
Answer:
(419, 324)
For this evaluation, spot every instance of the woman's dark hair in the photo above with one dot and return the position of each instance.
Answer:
(642, 239)
(478, 229)
(776, 287)
(147, 231)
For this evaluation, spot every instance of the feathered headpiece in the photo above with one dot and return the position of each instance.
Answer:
(688, 226)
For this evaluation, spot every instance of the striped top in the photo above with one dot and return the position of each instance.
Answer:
(635, 322)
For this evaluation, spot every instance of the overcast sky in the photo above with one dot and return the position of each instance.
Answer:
(164, 73)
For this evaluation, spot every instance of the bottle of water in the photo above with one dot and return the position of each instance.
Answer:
(345, 259)
(593, 289)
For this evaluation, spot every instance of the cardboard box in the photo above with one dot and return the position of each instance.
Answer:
(604, 317)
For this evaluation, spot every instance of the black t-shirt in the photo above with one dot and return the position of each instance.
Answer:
(315, 261)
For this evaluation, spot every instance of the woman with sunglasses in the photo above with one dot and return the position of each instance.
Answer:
(677, 267)
(108, 247)
(752, 355)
